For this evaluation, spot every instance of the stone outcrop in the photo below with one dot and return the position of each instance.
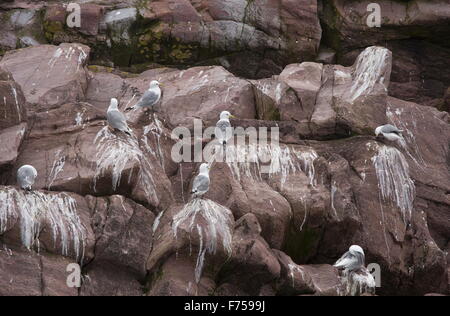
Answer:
(119, 206)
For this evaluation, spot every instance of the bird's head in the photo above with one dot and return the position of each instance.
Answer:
(378, 130)
(358, 253)
(354, 250)
(155, 84)
(204, 168)
(225, 115)
(114, 103)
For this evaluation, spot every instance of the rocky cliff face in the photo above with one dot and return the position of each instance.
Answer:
(119, 205)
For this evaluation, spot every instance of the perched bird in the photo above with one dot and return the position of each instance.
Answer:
(390, 132)
(116, 119)
(353, 260)
(26, 175)
(150, 98)
(201, 182)
(223, 130)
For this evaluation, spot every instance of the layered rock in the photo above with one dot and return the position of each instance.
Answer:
(50, 76)
(13, 122)
(255, 39)
(416, 32)
(271, 224)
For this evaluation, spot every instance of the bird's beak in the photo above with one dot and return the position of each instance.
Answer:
(161, 85)
(232, 116)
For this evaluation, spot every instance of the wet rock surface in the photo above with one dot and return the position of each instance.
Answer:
(255, 39)
(120, 206)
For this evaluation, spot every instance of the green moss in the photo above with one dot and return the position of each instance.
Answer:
(331, 36)
(150, 44)
(141, 4)
(95, 68)
(152, 278)
(180, 53)
(53, 26)
(300, 246)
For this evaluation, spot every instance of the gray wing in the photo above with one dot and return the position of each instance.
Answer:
(117, 120)
(390, 129)
(149, 98)
(345, 261)
(201, 184)
(223, 129)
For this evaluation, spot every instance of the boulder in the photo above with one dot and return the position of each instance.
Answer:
(28, 274)
(416, 34)
(191, 244)
(13, 105)
(49, 76)
(58, 223)
(253, 263)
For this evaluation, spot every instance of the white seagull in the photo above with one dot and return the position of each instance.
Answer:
(116, 119)
(390, 132)
(150, 98)
(201, 181)
(26, 176)
(353, 260)
(223, 129)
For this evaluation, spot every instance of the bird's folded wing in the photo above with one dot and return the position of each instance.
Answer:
(345, 260)
(390, 129)
(117, 120)
(223, 129)
(201, 184)
(149, 98)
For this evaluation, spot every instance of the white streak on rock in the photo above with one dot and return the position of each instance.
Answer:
(293, 268)
(14, 91)
(57, 167)
(115, 154)
(155, 129)
(35, 210)
(409, 139)
(157, 222)
(333, 193)
(394, 181)
(79, 119)
(369, 71)
(213, 224)
(357, 283)
(255, 161)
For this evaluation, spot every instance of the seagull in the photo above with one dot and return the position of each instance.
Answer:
(201, 181)
(150, 98)
(116, 119)
(353, 260)
(26, 175)
(390, 132)
(223, 130)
